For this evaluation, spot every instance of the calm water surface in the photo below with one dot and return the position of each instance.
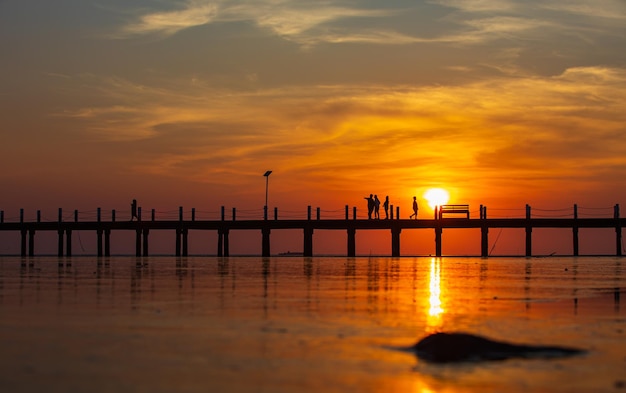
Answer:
(201, 324)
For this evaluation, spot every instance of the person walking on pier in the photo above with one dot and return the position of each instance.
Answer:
(370, 206)
(415, 207)
(376, 207)
(133, 210)
(386, 207)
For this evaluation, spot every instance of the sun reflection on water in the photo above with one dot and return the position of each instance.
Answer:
(435, 311)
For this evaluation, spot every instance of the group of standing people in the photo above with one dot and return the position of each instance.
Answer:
(373, 207)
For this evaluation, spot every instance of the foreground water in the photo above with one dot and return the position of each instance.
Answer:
(162, 324)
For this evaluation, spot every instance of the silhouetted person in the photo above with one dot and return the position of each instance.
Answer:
(376, 207)
(414, 208)
(386, 207)
(370, 206)
(133, 210)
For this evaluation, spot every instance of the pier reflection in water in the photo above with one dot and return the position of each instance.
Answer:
(301, 324)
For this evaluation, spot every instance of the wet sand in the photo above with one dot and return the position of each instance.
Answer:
(295, 324)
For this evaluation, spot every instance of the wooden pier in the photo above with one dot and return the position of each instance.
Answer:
(351, 224)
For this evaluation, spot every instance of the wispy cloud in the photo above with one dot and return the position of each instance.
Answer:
(194, 13)
(288, 19)
(479, 5)
(311, 23)
(608, 9)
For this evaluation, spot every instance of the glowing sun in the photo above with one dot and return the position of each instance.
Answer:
(436, 197)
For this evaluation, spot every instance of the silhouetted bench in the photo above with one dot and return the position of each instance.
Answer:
(454, 209)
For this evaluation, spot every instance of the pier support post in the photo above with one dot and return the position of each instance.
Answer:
(265, 246)
(146, 233)
(575, 231)
(31, 242)
(529, 234)
(308, 242)
(68, 242)
(618, 232)
(395, 241)
(138, 242)
(529, 241)
(351, 242)
(60, 231)
(185, 233)
(618, 241)
(226, 244)
(60, 243)
(99, 242)
(23, 245)
(484, 241)
(438, 233)
(222, 243)
(107, 242)
(484, 233)
(178, 241)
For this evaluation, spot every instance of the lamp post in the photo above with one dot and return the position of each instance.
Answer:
(267, 181)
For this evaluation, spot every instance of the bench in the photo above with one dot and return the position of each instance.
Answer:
(453, 209)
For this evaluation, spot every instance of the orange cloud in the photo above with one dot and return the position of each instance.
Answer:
(496, 135)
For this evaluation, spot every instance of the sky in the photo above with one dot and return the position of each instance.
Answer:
(188, 102)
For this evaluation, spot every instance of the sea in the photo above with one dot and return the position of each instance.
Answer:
(299, 324)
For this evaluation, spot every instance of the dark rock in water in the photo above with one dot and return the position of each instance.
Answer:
(462, 347)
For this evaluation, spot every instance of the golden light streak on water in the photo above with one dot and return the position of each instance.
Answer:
(435, 310)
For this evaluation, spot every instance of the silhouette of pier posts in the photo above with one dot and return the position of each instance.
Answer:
(107, 242)
(182, 236)
(618, 231)
(352, 241)
(145, 233)
(484, 233)
(395, 241)
(99, 233)
(138, 242)
(60, 233)
(223, 246)
(529, 233)
(438, 233)
(265, 244)
(182, 242)
(23, 234)
(575, 232)
(222, 243)
(307, 250)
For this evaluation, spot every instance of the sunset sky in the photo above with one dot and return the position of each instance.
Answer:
(188, 103)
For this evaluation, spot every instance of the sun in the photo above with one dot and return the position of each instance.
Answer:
(436, 197)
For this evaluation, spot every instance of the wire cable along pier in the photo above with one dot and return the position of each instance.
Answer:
(445, 217)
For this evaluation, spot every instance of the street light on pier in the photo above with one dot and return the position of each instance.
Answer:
(267, 181)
